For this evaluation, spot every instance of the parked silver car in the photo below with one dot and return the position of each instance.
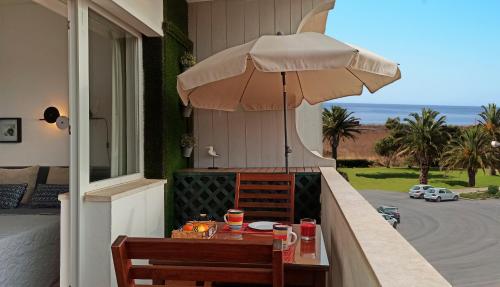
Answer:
(391, 220)
(418, 191)
(440, 194)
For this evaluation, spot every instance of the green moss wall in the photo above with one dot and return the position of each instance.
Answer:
(164, 123)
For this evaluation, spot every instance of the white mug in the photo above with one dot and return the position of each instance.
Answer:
(285, 234)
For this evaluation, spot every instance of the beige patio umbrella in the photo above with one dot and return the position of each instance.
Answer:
(273, 72)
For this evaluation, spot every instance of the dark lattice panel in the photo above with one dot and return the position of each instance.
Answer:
(213, 194)
(208, 193)
(307, 194)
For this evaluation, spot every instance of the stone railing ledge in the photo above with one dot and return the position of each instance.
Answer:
(368, 249)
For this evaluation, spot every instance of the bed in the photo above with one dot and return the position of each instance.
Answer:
(29, 247)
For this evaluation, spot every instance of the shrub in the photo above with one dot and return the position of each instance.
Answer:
(493, 189)
(350, 163)
(469, 195)
(387, 148)
(480, 195)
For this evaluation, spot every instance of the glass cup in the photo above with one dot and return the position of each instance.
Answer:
(308, 249)
(307, 229)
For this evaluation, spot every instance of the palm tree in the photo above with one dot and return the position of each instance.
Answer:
(490, 122)
(423, 138)
(338, 123)
(468, 151)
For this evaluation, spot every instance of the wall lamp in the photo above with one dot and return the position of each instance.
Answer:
(51, 115)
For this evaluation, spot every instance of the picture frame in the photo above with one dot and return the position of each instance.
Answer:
(10, 130)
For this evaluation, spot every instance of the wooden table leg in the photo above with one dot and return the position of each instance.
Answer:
(320, 279)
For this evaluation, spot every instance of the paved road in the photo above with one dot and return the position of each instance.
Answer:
(460, 239)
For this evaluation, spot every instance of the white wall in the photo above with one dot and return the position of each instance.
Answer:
(33, 76)
(245, 139)
(310, 125)
(139, 214)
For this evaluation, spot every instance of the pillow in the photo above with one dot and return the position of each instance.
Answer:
(45, 195)
(11, 194)
(58, 175)
(21, 176)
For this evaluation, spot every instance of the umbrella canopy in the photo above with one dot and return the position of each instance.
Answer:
(279, 72)
(317, 68)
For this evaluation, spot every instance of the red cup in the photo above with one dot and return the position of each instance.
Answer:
(307, 229)
(308, 248)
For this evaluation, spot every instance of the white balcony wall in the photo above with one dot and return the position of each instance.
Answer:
(363, 249)
(246, 139)
(309, 126)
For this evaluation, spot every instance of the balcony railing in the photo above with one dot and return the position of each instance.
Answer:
(365, 250)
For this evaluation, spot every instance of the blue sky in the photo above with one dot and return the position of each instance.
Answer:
(448, 50)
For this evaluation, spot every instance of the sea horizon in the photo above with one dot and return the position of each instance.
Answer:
(377, 114)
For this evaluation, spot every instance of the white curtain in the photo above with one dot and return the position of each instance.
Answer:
(132, 104)
(119, 113)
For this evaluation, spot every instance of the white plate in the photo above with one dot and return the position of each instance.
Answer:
(262, 225)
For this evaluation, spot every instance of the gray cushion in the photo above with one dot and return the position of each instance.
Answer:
(21, 176)
(58, 175)
(11, 194)
(45, 195)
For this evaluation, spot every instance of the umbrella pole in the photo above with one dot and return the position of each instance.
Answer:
(287, 148)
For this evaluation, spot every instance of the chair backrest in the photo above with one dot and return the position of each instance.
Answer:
(232, 261)
(268, 196)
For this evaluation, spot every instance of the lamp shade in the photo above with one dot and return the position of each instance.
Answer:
(51, 114)
(62, 122)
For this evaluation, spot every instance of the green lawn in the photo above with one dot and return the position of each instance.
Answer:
(401, 179)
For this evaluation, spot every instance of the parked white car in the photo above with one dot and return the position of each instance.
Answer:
(391, 220)
(418, 191)
(440, 194)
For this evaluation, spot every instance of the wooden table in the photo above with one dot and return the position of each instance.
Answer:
(306, 267)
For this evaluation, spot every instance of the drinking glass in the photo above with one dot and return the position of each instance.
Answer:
(307, 229)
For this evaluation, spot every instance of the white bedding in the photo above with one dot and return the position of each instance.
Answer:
(29, 250)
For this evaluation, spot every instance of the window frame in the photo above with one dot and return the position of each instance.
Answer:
(139, 115)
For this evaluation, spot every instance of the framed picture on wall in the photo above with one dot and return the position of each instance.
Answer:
(10, 130)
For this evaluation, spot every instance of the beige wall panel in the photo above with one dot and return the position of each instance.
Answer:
(219, 32)
(220, 137)
(205, 137)
(254, 139)
(245, 139)
(282, 16)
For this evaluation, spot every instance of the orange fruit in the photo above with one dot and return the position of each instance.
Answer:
(202, 227)
(188, 227)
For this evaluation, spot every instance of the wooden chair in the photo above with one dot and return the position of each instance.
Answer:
(229, 261)
(266, 196)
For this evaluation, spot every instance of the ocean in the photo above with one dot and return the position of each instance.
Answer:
(378, 113)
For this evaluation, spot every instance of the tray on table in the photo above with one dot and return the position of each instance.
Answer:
(209, 233)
